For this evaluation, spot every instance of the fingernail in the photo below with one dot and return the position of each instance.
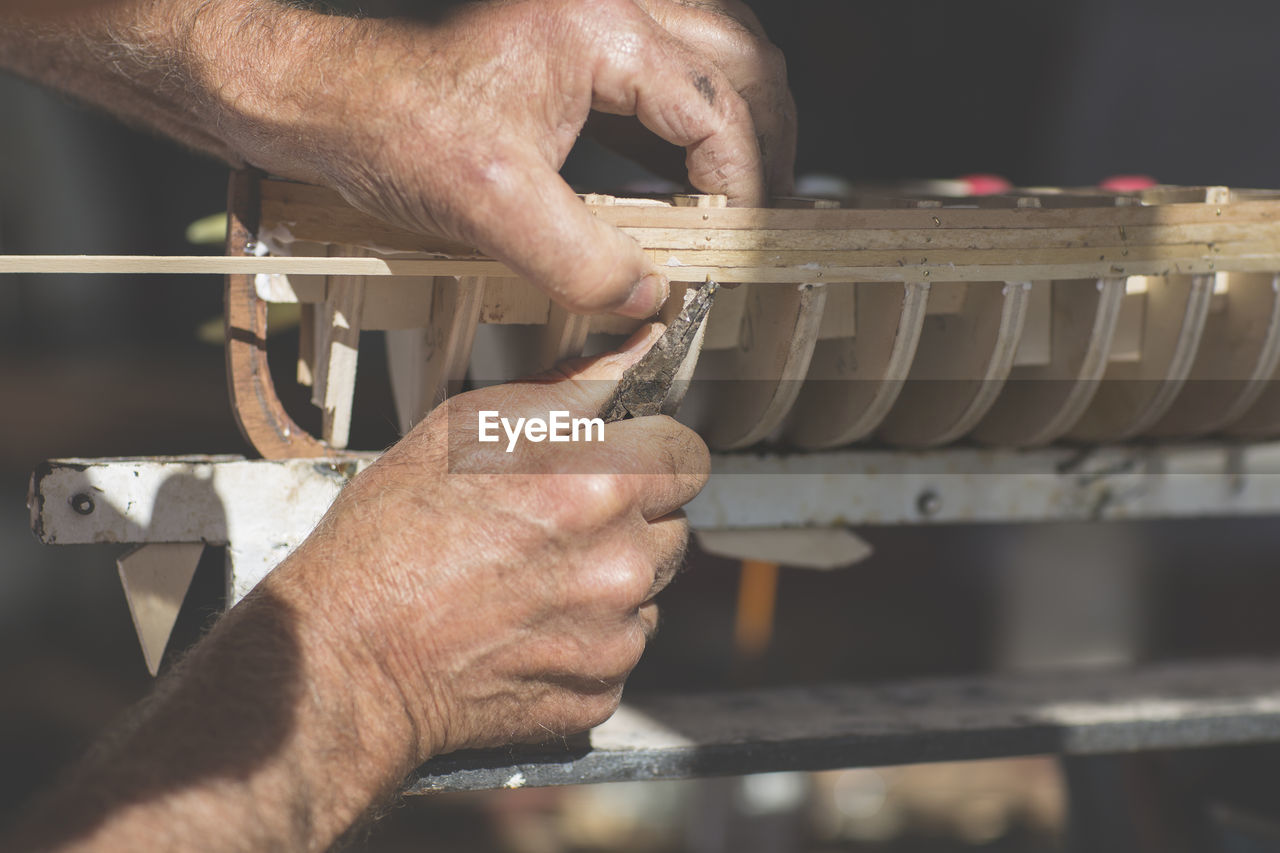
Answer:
(646, 297)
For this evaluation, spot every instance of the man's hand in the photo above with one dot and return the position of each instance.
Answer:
(454, 596)
(455, 127)
(506, 596)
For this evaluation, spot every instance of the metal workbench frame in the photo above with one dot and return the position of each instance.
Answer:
(262, 509)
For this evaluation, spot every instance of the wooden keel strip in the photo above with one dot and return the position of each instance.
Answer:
(763, 266)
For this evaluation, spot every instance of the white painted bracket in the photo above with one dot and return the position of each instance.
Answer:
(262, 509)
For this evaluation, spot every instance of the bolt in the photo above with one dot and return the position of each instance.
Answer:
(929, 503)
(81, 503)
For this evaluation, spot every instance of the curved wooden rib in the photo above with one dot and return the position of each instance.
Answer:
(1135, 395)
(853, 382)
(1039, 403)
(429, 364)
(1262, 418)
(741, 395)
(1239, 351)
(960, 366)
(258, 411)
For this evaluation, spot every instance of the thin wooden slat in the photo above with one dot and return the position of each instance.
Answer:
(429, 364)
(1041, 402)
(338, 347)
(762, 266)
(961, 364)
(1037, 338)
(1239, 351)
(308, 316)
(296, 287)
(298, 211)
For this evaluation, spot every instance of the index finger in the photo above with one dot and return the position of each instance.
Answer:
(688, 101)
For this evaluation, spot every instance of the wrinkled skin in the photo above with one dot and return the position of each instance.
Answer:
(473, 116)
(442, 603)
(508, 595)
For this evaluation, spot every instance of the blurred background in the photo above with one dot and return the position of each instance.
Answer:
(1041, 93)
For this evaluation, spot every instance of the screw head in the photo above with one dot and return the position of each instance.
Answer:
(81, 503)
(929, 503)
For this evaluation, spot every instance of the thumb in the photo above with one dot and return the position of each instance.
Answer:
(586, 265)
(583, 386)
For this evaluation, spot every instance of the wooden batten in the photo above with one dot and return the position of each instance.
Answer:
(338, 350)
(308, 317)
(429, 363)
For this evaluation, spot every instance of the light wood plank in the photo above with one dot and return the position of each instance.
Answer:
(338, 342)
(430, 363)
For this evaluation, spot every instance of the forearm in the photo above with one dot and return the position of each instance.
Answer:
(204, 72)
(266, 737)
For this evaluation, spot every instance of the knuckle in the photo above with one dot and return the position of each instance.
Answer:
(615, 662)
(602, 495)
(607, 10)
(600, 707)
(773, 58)
(620, 585)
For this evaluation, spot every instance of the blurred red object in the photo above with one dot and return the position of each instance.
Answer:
(985, 184)
(1127, 183)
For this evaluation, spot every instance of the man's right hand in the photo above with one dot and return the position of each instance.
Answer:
(459, 127)
(454, 596)
(491, 596)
